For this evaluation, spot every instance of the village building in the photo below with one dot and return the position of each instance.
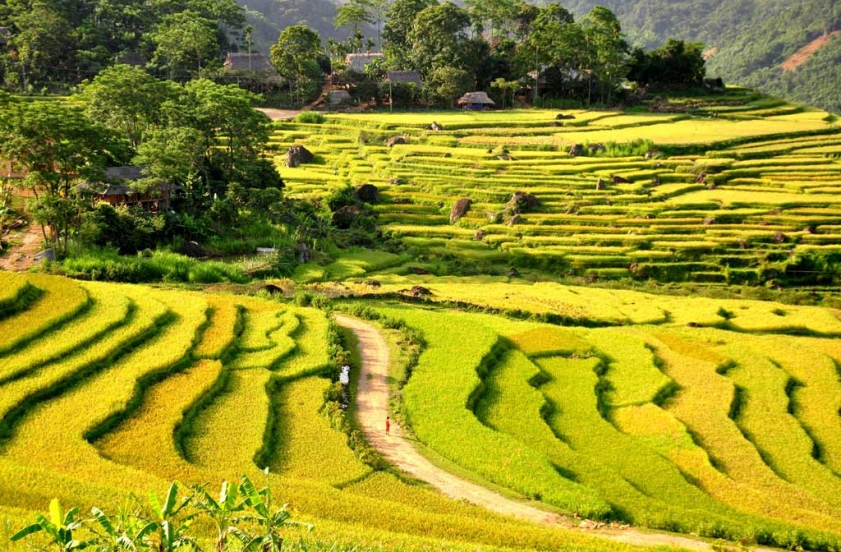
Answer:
(476, 101)
(405, 77)
(251, 67)
(9, 170)
(117, 189)
(357, 62)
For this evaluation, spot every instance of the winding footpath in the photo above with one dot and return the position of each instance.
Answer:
(372, 409)
(22, 256)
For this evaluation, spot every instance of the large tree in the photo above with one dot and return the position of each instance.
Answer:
(60, 42)
(295, 54)
(526, 15)
(59, 147)
(184, 40)
(398, 26)
(173, 156)
(40, 48)
(379, 10)
(448, 83)
(440, 38)
(675, 63)
(555, 42)
(126, 99)
(495, 16)
(209, 136)
(355, 14)
(606, 51)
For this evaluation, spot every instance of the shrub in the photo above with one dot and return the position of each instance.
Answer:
(310, 117)
(128, 229)
(108, 265)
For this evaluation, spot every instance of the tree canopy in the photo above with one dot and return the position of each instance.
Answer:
(59, 43)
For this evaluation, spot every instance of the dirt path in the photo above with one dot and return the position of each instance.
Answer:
(279, 114)
(372, 409)
(21, 256)
(284, 114)
(802, 55)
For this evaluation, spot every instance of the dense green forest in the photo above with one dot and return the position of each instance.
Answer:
(499, 46)
(748, 39)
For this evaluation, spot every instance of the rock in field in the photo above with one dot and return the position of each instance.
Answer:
(460, 209)
(420, 291)
(297, 155)
(367, 193)
(343, 217)
(193, 250)
(395, 140)
(45, 255)
(522, 202)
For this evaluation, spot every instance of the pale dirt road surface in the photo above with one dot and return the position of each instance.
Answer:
(21, 256)
(372, 409)
(279, 114)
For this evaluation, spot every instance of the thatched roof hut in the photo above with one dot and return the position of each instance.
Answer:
(357, 62)
(408, 77)
(253, 64)
(117, 189)
(475, 100)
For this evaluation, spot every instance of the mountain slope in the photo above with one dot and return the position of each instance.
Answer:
(751, 39)
(269, 17)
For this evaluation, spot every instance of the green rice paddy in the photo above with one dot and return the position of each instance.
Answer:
(743, 197)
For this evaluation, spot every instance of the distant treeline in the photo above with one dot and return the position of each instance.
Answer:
(511, 43)
(747, 40)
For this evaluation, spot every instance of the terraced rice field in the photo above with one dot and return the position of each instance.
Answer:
(711, 418)
(742, 197)
(108, 391)
(717, 418)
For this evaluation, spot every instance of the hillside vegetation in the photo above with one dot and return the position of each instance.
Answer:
(748, 40)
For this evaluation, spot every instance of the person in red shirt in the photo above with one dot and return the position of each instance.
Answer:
(387, 425)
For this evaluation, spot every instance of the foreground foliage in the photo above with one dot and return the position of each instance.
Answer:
(251, 519)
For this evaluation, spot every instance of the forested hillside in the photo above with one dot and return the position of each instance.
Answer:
(269, 17)
(748, 39)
